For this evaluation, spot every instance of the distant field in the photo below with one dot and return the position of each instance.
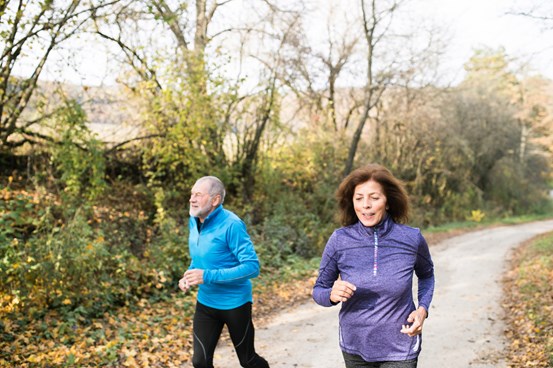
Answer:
(114, 133)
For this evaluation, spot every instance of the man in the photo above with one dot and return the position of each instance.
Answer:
(223, 262)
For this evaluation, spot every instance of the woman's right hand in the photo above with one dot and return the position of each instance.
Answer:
(341, 291)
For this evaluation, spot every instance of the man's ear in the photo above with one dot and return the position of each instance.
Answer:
(216, 201)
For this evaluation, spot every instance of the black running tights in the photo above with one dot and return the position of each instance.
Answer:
(208, 324)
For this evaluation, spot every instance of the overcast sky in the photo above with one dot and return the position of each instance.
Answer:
(486, 23)
(470, 24)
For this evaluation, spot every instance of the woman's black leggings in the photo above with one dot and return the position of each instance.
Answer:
(208, 324)
(355, 361)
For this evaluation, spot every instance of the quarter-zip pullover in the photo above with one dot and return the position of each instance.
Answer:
(222, 248)
(380, 262)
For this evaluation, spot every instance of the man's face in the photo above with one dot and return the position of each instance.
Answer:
(201, 203)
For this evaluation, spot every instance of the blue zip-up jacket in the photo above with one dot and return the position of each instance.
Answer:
(380, 262)
(222, 248)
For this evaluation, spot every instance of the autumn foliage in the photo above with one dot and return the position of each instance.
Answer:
(528, 304)
(145, 333)
(93, 230)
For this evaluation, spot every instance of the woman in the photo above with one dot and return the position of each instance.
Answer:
(368, 265)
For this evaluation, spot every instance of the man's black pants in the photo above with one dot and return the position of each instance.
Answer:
(208, 325)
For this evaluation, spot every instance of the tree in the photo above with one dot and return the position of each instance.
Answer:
(313, 72)
(340, 76)
(30, 32)
(196, 110)
(540, 11)
(535, 116)
(500, 119)
(375, 23)
(161, 47)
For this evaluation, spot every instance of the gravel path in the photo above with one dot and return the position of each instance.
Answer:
(465, 324)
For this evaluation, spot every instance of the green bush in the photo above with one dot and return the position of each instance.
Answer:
(77, 157)
(169, 251)
(520, 189)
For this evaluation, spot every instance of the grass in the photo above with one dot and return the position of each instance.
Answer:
(472, 225)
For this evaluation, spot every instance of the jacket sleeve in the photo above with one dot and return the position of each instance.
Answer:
(242, 248)
(328, 273)
(424, 269)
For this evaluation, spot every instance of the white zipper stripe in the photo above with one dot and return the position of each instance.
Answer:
(375, 263)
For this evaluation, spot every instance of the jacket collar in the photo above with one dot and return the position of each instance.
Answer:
(211, 217)
(381, 229)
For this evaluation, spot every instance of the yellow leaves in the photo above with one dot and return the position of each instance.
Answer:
(146, 357)
(66, 301)
(528, 292)
(98, 325)
(111, 344)
(23, 339)
(129, 353)
(476, 216)
(162, 277)
(130, 362)
(144, 334)
(36, 358)
(6, 194)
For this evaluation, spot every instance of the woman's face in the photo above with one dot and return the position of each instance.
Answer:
(369, 203)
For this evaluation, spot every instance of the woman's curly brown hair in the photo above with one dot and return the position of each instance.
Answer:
(394, 190)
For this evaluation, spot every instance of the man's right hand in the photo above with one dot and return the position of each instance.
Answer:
(183, 284)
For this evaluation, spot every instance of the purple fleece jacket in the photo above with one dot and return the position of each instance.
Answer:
(380, 262)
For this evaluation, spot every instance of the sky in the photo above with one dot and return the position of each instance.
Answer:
(475, 24)
(469, 24)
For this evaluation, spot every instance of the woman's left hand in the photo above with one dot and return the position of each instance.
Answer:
(416, 320)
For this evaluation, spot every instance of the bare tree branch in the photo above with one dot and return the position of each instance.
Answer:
(58, 25)
(124, 143)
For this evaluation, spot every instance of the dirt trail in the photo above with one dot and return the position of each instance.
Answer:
(464, 329)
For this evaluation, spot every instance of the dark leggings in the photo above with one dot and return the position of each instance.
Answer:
(208, 324)
(355, 361)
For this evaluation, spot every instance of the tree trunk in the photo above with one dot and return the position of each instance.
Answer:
(355, 139)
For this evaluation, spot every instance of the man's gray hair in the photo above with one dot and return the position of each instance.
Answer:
(216, 186)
